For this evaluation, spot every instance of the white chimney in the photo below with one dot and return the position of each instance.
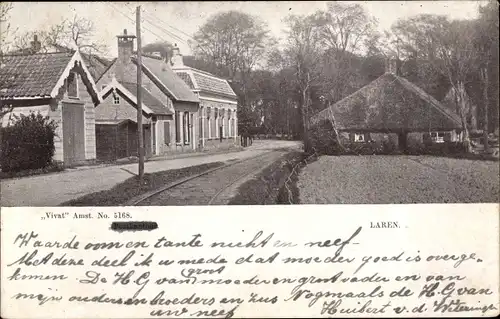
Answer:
(176, 60)
(392, 65)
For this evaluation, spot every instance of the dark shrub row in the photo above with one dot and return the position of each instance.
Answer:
(28, 143)
(323, 141)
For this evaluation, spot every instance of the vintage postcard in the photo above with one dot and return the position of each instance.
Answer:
(249, 159)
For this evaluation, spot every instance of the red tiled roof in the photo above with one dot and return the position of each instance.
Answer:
(31, 75)
(148, 99)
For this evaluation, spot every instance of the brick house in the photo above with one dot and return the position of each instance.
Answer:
(60, 86)
(170, 108)
(218, 103)
(391, 108)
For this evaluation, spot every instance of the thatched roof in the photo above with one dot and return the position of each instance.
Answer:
(390, 103)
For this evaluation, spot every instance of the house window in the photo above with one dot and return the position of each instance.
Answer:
(116, 99)
(437, 137)
(209, 125)
(166, 132)
(103, 86)
(72, 85)
(359, 137)
(186, 126)
(177, 127)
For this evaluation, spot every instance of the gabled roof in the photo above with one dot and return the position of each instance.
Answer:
(199, 80)
(153, 103)
(431, 100)
(389, 102)
(161, 73)
(40, 76)
(150, 104)
(96, 65)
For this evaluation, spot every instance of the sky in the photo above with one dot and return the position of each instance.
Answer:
(177, 21)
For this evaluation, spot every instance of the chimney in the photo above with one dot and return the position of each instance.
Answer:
(125, 47)
(176, 60)
(392, 65)
(35, 44)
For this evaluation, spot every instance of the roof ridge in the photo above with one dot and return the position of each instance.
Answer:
(40, 53)
(107, 69)
(348, 96)
(209, 74)
(172, 84)
(429, 98)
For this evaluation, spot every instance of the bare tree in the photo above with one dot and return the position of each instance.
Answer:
(456, 58)
(234, 41)
(344, 31)
(303, 50)
(5, 27)
(77, 33)
(345, 27)
(486, 42)
(5, 8)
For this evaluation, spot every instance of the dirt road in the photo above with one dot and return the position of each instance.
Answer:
(215, 188)
(54, 189)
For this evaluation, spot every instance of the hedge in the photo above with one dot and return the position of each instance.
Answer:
(323, 141)
(28, 143)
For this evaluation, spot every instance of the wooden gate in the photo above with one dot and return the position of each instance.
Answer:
(73, 133)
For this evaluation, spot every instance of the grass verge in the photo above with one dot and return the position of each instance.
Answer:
(267, 187)
(123, 192)
(52, 168)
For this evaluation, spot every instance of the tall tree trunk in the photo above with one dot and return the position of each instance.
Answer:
(486, 100)
(461, 100)
(305, 121)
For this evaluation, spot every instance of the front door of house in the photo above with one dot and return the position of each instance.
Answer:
(73, 133)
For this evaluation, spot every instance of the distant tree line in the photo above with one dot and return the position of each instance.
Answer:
(332, 53)
(326, 56)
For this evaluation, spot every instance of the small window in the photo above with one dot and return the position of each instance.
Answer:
(359, 137)
(186, 127)
(116, 99)
(437, 137)
(103, 86)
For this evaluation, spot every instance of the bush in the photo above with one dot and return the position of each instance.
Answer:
(323, 140)
(28, 144)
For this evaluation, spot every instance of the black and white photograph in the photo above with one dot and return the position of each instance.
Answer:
(249, 159)
(249, 103)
